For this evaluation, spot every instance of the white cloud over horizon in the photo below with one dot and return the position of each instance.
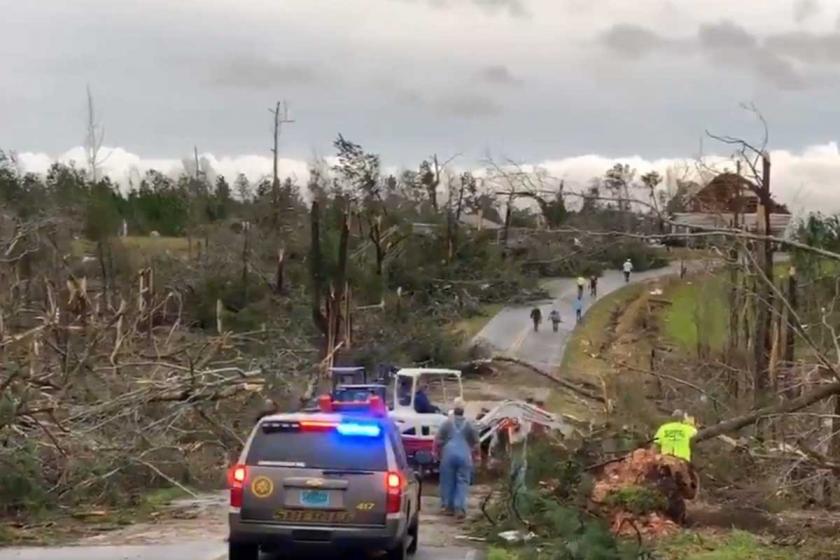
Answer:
(531, 78)
(806, 180)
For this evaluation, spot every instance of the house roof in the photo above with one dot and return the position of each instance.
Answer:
(778, 222)
(481, 222)
(727, 189)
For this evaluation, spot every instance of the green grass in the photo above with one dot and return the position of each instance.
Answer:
(163, 497)
(142, 246)
(699, 311)
(737, 545)
(157, 245)
(581, 361)
(64, 527)
(7, 536)
(591, 332)
(501, 554)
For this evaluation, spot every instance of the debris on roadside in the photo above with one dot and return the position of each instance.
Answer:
(644, 493)
(516, 536)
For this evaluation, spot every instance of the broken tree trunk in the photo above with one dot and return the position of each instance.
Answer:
(279, 284)
(316, 269)
(764, 250)
(786, 406)
(578, 389)
(790, 338)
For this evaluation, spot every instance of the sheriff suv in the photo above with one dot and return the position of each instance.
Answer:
(333, 480)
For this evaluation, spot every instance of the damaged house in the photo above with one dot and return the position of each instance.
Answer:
(727, 202)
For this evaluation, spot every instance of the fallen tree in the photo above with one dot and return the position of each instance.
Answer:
(99, 402)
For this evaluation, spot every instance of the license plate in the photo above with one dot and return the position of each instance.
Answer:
(314, 498)
(309, 516)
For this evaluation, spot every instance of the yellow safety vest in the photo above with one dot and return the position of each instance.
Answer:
(674, 438)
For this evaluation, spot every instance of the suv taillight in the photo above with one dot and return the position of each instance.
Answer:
(394, 488)
(237, 476)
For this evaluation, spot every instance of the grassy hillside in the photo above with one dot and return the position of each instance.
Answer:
(698, 313)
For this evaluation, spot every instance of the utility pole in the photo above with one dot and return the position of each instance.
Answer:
(763, 343)
(93, 140)
(197, 166)
(279, 120)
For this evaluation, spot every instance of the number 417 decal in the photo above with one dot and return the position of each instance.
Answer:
(365, 506)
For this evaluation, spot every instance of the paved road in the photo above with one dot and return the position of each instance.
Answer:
(511, 332)
(184, 551)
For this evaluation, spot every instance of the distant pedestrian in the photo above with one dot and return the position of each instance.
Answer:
(628, 268)
(536, 317)
(579, 309)
(581, 282)
(593, 285)
(555, 319)
(683, 269)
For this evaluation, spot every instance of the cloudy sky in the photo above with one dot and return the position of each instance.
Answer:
(573, 84)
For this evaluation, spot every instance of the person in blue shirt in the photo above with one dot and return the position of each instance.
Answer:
(579, 308)
(422, 404)
(455, 440)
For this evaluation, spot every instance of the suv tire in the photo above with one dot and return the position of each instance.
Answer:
(414, 535)
(239, 551)
(399, 552)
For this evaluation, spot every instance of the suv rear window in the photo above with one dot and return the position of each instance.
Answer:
(319, 450)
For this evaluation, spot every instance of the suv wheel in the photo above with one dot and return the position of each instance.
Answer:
(399, 552)
(414, 535)
(239, 551)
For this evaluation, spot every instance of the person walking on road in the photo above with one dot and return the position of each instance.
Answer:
(579, 309)
(581, 282)
(455, 440)
(555, 319)
(536, 317)
(593, 285)
(628, 268)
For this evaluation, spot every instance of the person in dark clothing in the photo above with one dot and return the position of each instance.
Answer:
(593, 285)
(422, 404)
(555, 319)
(536, 317)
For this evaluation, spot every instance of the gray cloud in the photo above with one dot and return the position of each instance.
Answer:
(808, 48)
(725, 35)
(515, 8)
(409, 63)
(777, 70)
(728, 43)
(632, 40)
(472, 106)
(805, 9)
(409, 97)
(498, 74)
(468, 105)
(724, 43)
(512, 7)
(260, 73)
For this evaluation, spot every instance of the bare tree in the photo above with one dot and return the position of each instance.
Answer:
(94, 137)
(757, 160)
(279, 118)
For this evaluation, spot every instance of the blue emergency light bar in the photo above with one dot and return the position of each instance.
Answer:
(356, 429)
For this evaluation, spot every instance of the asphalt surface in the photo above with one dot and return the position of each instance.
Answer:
(511, 331)
(187, 551)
